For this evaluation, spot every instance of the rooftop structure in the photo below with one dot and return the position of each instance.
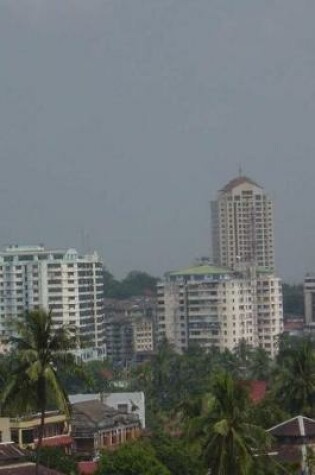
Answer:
(127, 402)
(294, 440)
(96, 426)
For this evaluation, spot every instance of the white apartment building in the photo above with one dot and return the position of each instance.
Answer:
(309, 300)
(242, 225)
(62, 281)
(217, 307)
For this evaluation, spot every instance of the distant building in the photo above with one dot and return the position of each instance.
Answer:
(62, 281)
(96, 426)
(309, 300)
(130, 329)
(217, 308)
(129, 402)
(242, 225)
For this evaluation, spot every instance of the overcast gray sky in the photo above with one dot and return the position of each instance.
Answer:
(119, 120)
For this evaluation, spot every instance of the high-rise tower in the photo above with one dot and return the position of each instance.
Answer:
(69, 285)
(242, 225)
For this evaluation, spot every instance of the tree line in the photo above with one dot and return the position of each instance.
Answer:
(138, 283)
(199, 411)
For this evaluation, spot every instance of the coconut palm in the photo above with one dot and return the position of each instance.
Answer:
(260, 364)
(40, 349)
(232, 444)
(295, 377)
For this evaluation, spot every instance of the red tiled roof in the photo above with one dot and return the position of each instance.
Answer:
(87, 468)
(297, 325)
(257, 389)
(57, 441)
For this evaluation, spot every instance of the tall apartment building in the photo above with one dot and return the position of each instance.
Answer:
(62, 281)
(309, 300)
(130, 329)
(216, 307)
(242, 225)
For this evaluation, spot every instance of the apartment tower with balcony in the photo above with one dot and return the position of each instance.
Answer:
(218, 308)
(242, 225)
(69, 285)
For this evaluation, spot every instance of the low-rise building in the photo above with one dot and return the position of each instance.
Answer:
(294, 442)
(127, 402)
(96, 426)
(24, 430)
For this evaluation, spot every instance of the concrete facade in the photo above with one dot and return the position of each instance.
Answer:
(242, 225)
(69, 285)
(216, 307)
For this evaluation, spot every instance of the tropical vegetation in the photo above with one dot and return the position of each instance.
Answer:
(200, 416)
(39, 350)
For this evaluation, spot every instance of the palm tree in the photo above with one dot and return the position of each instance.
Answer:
(40, 348)
(232, 444)
(260, 364)
(295, 377)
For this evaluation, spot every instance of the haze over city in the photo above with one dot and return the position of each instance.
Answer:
(120, 120)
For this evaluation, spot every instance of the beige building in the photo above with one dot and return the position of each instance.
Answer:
(242, 225)
(24, 431)
(217, 307)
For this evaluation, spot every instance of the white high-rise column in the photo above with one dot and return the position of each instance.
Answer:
(242, 225)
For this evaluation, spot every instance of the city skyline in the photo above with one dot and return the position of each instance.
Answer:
(119, 120)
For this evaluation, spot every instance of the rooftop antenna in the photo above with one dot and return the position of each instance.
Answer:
(240, 170)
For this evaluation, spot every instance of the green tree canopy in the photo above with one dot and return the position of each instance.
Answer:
(293, 299)
(39, 349)
(136, 458)
(294, 380)
(136, 283)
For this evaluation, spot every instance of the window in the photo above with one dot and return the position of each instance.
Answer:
(122, 408)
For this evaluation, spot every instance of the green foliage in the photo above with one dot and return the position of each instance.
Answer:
(268, 412)
(95, 377)
(39, 349)
(136, 458)
(231, 439)
(55, 458)
(178, 456)
(294, 379)
(136, 283)
(293, 299)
